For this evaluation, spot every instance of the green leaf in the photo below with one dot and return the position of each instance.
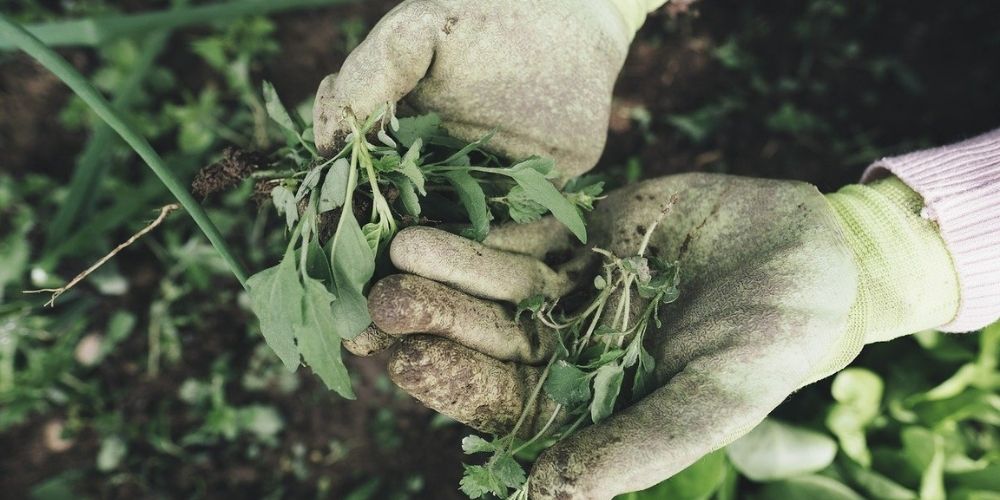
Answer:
(408, 167)
(531, 304)
(417, 127)
(697, 482)
(318, 341)
(539, 189)
(859, 394)
(508, 471)
(473, 199)
(774, 450)
(875, 484)
(607, 385)
(478, 481)
(276, 296)
(333, 194)
(567, 384)
(284, 202)
(521, 208)
(276, 110)
(408, 196)
(475, 444)
(810, 487)
(925, 450)
(353, 264)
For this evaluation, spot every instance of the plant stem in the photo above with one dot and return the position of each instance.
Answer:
(72, 78)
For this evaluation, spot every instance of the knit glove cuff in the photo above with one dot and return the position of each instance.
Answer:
(906, 279)
(960, 187)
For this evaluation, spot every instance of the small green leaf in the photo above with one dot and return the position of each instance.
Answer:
(607, 385)
(408, 196)
(508, 471)
(539, 189)
(276, 110)
(408, 167)
(334, 191)
(276, 295)
(567, 384)
(859, 394)
(417, 127)
(284, 202)
(521, 208)
(478, 481)
(531, 304)
(475, 444)
(473, 199)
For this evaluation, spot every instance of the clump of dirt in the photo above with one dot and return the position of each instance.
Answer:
(235, 165)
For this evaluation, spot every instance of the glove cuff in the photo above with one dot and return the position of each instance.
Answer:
(906, 279)
(634, 12)
(960, 186)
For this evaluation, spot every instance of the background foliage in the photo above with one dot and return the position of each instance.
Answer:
(150, 380)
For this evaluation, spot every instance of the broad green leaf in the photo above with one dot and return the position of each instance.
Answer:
(276, 110)
(774, 450)
(567, 384)
(473, 199)
(276, 296)
(417, 127)
(318, 340)
(14, 252)
(539, 189)
(697, 482)
(810, 487)
(974, 495)
(544, 166)
(353, 264)
(607, 385)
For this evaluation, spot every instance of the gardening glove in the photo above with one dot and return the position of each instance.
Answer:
(539, 73)
(779, 287)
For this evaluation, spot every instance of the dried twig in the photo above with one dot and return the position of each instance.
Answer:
(56, 292)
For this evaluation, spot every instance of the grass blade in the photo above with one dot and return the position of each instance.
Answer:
(58, 66)
(95, 31)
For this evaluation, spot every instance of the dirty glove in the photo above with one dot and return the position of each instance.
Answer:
(540, 73)
(780, 286)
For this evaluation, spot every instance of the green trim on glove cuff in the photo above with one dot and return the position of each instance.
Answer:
(906, 278)
(634, 12)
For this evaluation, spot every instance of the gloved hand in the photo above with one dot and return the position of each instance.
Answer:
(540, 73)
(780, 286)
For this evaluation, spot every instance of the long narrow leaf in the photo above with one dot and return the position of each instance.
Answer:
(95, 31)
(72, 78)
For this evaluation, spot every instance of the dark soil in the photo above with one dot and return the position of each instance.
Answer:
(867, 79)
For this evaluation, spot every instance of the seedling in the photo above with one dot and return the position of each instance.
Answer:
(584, 376)
(315, 297)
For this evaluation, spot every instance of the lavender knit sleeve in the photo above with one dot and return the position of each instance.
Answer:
(960, 185)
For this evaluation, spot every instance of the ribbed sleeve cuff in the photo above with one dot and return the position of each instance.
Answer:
(960, 185)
